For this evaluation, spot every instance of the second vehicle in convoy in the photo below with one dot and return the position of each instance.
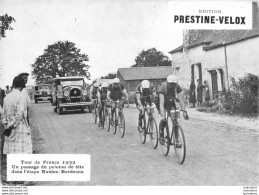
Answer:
(42, 92)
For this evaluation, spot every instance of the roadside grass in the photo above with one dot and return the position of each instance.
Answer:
(227, 112)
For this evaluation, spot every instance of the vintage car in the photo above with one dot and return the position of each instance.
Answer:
(69, 93)
(42, 92)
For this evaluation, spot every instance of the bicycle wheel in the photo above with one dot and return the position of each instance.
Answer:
(142, 130)
(121, 124)
(153, 132)
(164, 137)
(179, 144)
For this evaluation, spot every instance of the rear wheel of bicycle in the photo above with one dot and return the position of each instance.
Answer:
(142, 130)
(121, 124)
(152, 129)
(164, 138)
(179, 144)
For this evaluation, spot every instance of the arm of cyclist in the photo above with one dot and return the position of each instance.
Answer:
(99, 97)
(140, 106)
(161, 105)
(153, 98)
(182, 105)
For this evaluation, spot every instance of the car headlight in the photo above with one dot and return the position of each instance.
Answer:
(84, 93)
(66, 93)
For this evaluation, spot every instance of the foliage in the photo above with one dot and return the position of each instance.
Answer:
(5, 22)
(151, 57)
(110, 76)
(243, 94)
(60, 59)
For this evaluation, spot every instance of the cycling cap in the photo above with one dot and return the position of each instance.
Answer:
(96, 85)
(172, 78)
(145, 84)
(116, 80)
(104, 84)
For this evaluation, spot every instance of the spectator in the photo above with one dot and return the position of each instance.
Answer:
(19, 141)
(199, 91)
(25, 95)
(2, 95)
(206, 94)
(7, 90)
(192, 99)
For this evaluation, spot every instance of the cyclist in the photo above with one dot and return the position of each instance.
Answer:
(93, 91)
(170, 91)
(93, 94)
(116, 92)
(144, 93)
(102, 95)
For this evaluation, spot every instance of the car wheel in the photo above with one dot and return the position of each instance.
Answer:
(36, 101)
(59, 109)
(82, 110)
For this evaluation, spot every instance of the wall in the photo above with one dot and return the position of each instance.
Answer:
(242, 57)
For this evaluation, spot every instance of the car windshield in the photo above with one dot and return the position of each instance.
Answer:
(44, 87)
(76, 82)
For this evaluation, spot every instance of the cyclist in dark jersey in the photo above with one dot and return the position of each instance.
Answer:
(170, 91)
(93, 91)
(102, 95)
(116, 92)
(144, 93)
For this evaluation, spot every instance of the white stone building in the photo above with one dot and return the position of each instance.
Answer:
(217, 55)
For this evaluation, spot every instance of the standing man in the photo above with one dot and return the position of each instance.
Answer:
(26, 97)
(7, 90)
(192, 98)
(2, 95)
(199, 92)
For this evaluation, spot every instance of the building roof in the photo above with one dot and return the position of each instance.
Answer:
(215, 38)
(141, 73)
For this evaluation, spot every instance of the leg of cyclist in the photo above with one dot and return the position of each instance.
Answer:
(112, 112)
(100, 107)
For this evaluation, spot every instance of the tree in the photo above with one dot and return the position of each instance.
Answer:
(60, 59)
(151, 57)
(5, 22)
(110, 76)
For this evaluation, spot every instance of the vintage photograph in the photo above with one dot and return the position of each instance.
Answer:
(152, 104)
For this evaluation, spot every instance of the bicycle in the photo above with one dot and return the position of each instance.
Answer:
(94, 110)
(150, 128)
(176, 138)
(105, 114)
(119, 117)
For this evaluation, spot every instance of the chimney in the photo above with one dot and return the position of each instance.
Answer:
(255, 13)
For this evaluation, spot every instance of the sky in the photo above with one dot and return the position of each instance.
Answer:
(111, 32)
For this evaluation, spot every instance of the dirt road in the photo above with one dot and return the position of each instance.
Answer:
(220, 150)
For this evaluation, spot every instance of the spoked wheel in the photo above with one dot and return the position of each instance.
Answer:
(142, 130)
(152, 129)
(106, 119)
(121, 124)
(164, 137)
(179, 144)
